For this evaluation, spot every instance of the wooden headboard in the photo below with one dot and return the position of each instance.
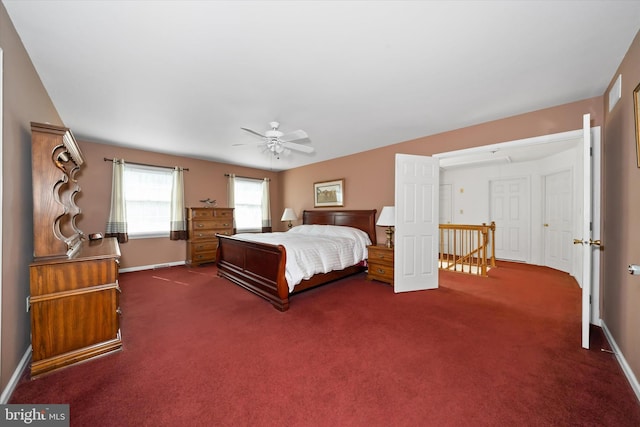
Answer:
(364, 220)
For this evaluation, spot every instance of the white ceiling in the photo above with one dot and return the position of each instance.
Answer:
(525, 150)
(183, 77)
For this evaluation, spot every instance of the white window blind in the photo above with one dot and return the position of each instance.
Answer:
(148, 200)
(248, 205)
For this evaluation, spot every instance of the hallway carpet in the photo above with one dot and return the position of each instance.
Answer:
(199, 351)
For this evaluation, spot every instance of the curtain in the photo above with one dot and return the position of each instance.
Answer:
(266, 207)
(231, 198)
(178, 228)
(117, 222)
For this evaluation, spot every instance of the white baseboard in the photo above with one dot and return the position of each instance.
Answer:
(15, 378)
(628, 372)
(150, 267)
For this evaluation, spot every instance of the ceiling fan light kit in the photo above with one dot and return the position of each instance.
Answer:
(277, 142)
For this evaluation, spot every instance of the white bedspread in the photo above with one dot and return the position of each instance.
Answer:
(313, 249)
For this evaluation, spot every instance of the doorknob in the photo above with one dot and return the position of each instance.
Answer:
(546, 225)
(595, 242)
(577, 241)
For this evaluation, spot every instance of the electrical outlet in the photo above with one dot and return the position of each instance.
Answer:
(28, 305)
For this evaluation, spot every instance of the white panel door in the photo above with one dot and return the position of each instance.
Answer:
(586, 240)
(558, 221)
(511, 213)
(416, 230)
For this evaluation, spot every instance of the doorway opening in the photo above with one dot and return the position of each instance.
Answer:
(506, 178)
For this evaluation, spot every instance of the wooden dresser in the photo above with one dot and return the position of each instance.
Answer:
(75, 306)
(203, 224)
(380, 263)
(74, 289)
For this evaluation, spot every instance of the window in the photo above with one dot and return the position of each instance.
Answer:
(248, 204)
(147, 193)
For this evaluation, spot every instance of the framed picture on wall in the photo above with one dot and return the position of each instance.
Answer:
(636, 115)
(328, 193)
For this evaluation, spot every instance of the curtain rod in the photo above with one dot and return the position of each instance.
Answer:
(147, 164)
(246, 177)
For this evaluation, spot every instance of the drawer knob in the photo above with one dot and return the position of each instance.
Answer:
(381, 271)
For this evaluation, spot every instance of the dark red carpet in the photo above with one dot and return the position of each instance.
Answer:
(496, 351)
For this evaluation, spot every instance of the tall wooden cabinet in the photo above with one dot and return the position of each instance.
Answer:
(74, 292)
(203, 224)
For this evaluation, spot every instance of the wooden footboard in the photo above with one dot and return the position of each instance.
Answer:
(260, 267)
(257, 267)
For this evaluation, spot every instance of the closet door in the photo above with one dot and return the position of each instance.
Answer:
(510, 210)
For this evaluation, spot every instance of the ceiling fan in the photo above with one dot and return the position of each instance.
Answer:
(277, 142)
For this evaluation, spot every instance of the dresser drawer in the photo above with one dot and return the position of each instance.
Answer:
(225, 231)
(203, 257)
(223, 213)
(203, 235)
(205, 246)
(204, 213)
(381, 272)
(382, 256)
(218, 223)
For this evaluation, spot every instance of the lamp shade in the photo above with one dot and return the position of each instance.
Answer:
(387, 216)
(288, 215)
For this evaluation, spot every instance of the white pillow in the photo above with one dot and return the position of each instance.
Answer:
(333, 230)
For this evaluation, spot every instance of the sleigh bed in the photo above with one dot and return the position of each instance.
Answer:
(260, 267)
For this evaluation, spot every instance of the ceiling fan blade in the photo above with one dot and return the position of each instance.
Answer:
(253, 144)
(297, 147)
(297, 136)
(253, 132)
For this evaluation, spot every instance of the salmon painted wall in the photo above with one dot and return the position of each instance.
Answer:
(369, 176)
(204, 179)
(24, 100)
(621, 213)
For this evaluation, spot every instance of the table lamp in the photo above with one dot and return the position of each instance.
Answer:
(388, 219)
(289, 215)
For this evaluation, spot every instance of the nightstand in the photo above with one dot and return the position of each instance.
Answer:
(380, 263)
